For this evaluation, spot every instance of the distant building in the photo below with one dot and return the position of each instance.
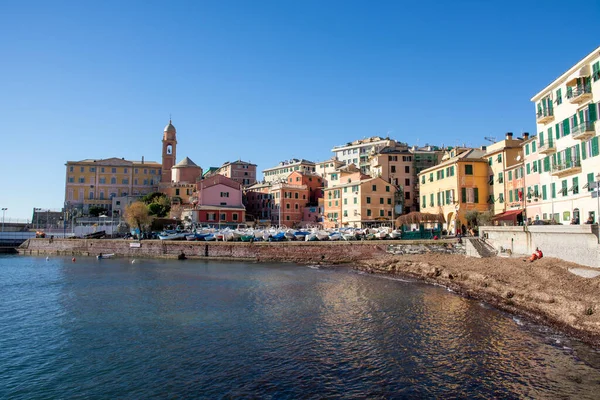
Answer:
(93, 182)
(359, 151)
(240, 171)
(281, 171)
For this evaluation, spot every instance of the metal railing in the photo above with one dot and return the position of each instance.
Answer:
(578, 91)
(566, 165)
(582, 128)
(549, 112)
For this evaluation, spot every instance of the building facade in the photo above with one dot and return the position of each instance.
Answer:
(281, 171)
(219, 202)
(95, 182)
(567, 150)
(240, 171)
(454, 187)
(358, 152)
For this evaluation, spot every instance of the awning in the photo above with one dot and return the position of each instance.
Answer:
(507, 216)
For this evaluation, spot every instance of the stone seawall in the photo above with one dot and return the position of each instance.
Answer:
(301, 252)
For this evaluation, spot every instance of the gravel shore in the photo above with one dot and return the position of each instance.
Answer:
(544, 290)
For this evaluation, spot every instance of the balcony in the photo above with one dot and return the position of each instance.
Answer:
(583, 131)
(580, 94)
(547, 147)
(566, 168)
(545, 116)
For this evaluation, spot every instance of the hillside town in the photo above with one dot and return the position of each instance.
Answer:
(545, 178)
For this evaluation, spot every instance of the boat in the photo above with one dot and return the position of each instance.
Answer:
(101, 256)
(247, 238)
(335, 236)
(300, 235)
(278, 237)
(172, 235)
(396, 234)
(322, 235)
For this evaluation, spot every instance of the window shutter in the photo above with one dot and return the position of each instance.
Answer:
(541, 135)
(584, 151)
(510, 196)
(566, 127)
(476, 195)
(463, 194)
(577, 151)
(593, 109)
(553, 191)
(528, 169)
(557, 129)
(544, 194)
(568, 156)
(594, 146)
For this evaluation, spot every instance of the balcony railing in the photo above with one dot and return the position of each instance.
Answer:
(579, 94)
(544, 116)
(547, 147)
(583, 131)
(566, 168)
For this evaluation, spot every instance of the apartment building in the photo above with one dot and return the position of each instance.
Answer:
(240, 171)
(284, 168)
(502, 155)
(359, 151)
(566, 153)
(457, 185)
(93, 182)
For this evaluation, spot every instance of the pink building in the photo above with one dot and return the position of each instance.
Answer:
(219, 201)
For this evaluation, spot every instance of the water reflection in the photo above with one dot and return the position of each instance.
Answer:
(161, 328)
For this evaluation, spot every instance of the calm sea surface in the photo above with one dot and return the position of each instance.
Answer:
(111, 329)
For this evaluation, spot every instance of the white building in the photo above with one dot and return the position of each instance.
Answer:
(566, 153)
(281, 171)
(359, 151)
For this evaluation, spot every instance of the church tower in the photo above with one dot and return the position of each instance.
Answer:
(169, 152)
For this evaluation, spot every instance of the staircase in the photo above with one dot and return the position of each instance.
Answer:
(479, 248)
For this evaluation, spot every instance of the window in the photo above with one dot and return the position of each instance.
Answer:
(381, 200)
(368, 212)
(71, 168)
(234, 216)
(176, 192)
(368, 200)
(393, 169)
(387, 188)
(468, 169)
(381, 213)
(224, 194)
(125, 181)
(407, 169)
(114, 170)
(113, 181)
(223, 217)
(81, 168)
(71, 179)
(407, 182)
(558, 97)
(374, 188)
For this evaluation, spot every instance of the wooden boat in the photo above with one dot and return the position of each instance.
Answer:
(101, 256)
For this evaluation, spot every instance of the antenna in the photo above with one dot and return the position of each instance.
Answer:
(490, 139)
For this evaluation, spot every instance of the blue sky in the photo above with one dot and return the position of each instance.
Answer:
(266, 81)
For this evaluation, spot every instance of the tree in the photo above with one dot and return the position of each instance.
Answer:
(158, 204)
(136, 215)
(96, 211)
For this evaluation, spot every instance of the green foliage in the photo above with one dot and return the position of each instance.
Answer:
(471, 217)
(95, 211)
(158, 204)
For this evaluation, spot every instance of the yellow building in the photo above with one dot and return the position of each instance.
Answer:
(501, 156)
(95, 182)
(353, 199)
(457, 185)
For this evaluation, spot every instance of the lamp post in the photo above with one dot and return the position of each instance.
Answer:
(598, 194)
(3, 211)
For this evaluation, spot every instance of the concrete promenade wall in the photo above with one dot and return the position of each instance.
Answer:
(301, 252)
(575, 243)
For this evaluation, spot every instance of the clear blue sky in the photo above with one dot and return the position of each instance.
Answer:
(266, 81)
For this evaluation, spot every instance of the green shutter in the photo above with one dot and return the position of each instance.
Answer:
(527, 149)
(594, 146)
(584, 151)
(581, 119)
(528, 169)
(566, 127)
(590, 180)
(544, 194)
(510, 175)
(476, 195)
(463, 194)
(510, 196)
(593, 108)
(553, 190)
(541, 135)
(546, 163)
(568, 156)
(557, 131)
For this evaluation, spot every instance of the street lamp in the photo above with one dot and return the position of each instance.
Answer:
(3, 211)
(598, 195)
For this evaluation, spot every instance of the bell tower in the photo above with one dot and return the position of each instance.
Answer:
(169, 152)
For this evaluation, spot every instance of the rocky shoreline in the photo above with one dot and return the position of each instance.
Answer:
(544, 291)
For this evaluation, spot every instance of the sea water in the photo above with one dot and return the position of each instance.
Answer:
(111, 329)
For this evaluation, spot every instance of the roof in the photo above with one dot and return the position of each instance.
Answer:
(186, 162)
(210, 170)
(170, 128)
(238, 162)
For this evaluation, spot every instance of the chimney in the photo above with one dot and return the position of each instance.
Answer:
(142, 159)
(525, 135)
(509, 135)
